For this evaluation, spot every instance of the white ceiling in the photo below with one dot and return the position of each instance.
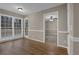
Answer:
(28, 8)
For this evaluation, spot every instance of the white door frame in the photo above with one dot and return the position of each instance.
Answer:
(70, 27)
(55, 12)
(24, 26)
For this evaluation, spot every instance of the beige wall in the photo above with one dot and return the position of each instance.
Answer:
(75, 29)
(36, 26)
(76, 21)
(5, 12)
(36, 21)
(76, 48)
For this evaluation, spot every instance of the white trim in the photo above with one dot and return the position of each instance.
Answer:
(10, 16)
(62, 46)
(65, 32)
(0, 27)
(13, 26)
(70, 27)
(6, 15)
(24, 26)
(36, 30)
(58, 30)
(34, 39)
(44, 28)
(26, 18)
(52, 29)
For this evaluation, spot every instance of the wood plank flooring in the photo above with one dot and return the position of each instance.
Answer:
(30, 47)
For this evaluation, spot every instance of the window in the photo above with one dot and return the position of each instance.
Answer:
(26, 27)
(17, 26)
(6, 26)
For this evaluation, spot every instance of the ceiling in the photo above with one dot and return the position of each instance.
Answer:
(28, 8)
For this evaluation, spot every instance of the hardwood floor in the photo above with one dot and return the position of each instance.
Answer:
(30, 47)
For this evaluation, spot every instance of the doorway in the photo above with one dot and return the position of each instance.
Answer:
(50, 20)
(25, 27)
(54, 32)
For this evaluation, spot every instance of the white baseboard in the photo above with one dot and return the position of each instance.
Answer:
(34, 39)
(62, 46)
